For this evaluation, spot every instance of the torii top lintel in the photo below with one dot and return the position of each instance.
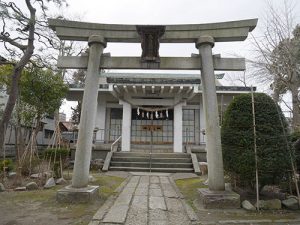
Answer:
(221, 32)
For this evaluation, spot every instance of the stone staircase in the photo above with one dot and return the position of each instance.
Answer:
(160, 162)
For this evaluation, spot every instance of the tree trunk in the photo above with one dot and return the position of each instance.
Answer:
(296, 108)
(275, 95)
(9, 105)
(16, 75)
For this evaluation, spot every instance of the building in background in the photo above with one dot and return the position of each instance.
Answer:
(158, 111)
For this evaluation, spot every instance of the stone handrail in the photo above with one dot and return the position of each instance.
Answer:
(109, 155)
(114, 143)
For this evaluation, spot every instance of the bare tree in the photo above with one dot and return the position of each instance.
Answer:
(21, 29)
(238, 78)
(277, 58)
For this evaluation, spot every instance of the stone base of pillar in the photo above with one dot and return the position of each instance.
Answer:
(219, 199)
(70, 194)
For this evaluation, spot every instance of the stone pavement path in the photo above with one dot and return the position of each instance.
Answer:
(146, 199)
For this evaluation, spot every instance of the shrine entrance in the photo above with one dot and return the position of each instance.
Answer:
(154, 128)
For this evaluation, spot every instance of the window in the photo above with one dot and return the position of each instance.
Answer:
(115, 124)
(48, 133)
(188, 125)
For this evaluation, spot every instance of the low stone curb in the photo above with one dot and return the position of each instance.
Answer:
(176, 188)
(189, 211)
(99, 215)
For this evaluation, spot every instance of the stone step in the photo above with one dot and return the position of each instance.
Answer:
(160, 162)
(153, 164)
(154, 155)
(153, 150)
(146, 159)
(143, 169)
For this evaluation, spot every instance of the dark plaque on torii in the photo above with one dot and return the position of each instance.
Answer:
(150, 42)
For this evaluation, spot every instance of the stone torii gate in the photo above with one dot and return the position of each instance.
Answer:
(97, 35)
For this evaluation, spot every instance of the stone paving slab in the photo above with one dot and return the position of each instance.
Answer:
(155, 193)
(128, 190)
(117, 214)
(154, 186)
(150, 174)
(145, 179)
(103, 210)
(154, 180)
(136, 217)
(178, 218)
(157, 203)
(143, 185)
(157, 214)
(123, 199)
(174, 205)
(158, 222)
(140, 202)
(132, 184)
(164, 180)
(141, 191)
(144, 199)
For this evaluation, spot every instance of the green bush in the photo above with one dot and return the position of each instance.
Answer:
(8, 163)
(57, 153)
(238, 141)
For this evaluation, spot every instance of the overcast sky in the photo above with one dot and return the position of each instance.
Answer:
(175, 12)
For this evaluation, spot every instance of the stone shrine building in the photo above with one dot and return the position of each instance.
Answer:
(148, 110)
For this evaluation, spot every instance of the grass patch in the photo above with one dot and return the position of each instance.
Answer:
(107, 184)
(188, 188)
(34, 203)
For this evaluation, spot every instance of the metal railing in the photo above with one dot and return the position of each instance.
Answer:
(99, 135)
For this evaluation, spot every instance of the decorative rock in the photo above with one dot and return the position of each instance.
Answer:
(248, 206)
(50, 183)
(36, 175)
(91, 178)
(269, 204)
(20, 189)
(12, 174)
(2, 188)
(269, 188)
(32, 186)
(273, 192)
(291, 203)
(61, 181)
(40, 175)
(203, 167)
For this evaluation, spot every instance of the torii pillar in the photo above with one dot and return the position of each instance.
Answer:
(80, 191)
(215, 196)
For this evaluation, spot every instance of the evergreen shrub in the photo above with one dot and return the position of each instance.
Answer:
(238, 141)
